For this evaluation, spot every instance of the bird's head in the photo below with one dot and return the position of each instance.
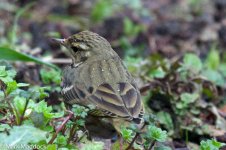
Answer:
(85, 45)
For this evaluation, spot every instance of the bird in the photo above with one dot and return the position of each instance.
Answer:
(97, 77)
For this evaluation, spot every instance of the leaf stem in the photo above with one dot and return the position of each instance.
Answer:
(135, 137)
(22, 115)
(72, 133)
(85, 132)
(131, 143)
(151, 145)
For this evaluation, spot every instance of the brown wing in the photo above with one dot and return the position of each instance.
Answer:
(124, 102)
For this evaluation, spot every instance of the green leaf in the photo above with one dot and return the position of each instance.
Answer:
(22, 135)
(165, 119)
(130, 28)
(93, 146)
(12, 55)
(101, 10)
(156, 133)
(11, 86)
(126, 133)
(133, 64)
(214, 76)
(210, 145)
(38, 92)
(19, 104)
(49, 128)
(11, 73)
(22, 84)
(80, 122)
(13, 32)
(4, 127)
(2, 95)
(62, 140)
(50, 76)
(188, 98)
(37, 119)
(192, 62)
(7, 75)
(213, 59)
(42, 107)
(162, 148)
(157, 73)
(51, 147)
(3, 71)
(79, 110)
(180, 105)
(222, 69)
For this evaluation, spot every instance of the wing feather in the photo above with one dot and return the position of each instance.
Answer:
(124, 102)
(108, 107)
(109, 97)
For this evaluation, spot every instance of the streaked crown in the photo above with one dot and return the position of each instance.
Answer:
(88, 40)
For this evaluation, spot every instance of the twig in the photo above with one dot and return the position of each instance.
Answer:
(59, 61)
(59, 119)
(35, 51)
(61, 127)
(63, 130)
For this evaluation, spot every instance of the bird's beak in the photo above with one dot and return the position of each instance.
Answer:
(60, 41)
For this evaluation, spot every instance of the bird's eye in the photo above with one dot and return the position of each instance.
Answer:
(75, 49)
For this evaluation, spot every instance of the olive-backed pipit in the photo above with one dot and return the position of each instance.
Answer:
(98, 77)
